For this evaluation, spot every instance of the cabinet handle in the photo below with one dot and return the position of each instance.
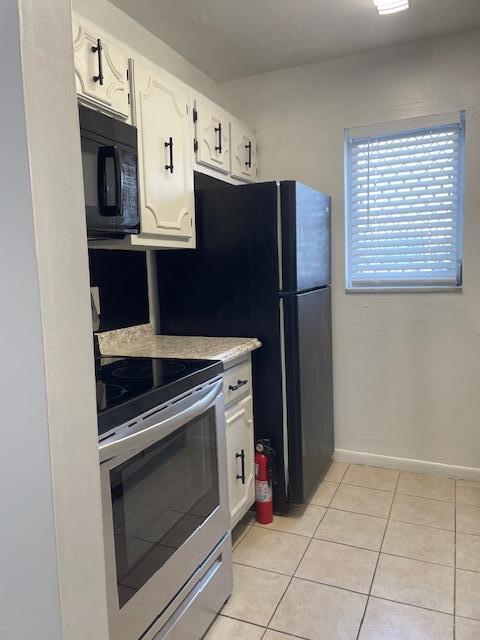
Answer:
(219, 131)
(240, 383)
(98, 50)
(169, 167)
(241, 455)
(248, 163)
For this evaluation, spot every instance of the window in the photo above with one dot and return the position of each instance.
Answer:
(404, 195)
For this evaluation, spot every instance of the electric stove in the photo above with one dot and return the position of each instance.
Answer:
(127, 387)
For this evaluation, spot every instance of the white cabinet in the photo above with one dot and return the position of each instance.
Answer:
(212, 134)
(243, 151)
(161, 115)
(240, 439)
(240, 462)
(117, 80)
(101, 70)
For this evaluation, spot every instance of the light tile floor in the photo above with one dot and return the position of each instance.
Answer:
(377, 554)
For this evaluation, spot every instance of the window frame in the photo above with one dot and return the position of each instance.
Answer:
(403, 127)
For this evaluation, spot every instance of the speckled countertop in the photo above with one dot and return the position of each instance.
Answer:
(141, 342)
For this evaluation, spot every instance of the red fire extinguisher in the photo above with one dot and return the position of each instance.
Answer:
(263, 482)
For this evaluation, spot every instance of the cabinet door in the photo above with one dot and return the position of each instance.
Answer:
(240, 446)
(212, 135)
(109, 90)
(244, 152)
(164, 156)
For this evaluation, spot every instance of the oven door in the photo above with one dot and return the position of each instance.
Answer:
(164, 497)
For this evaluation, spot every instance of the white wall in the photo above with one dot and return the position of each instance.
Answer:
(28, 580)
(52, 578)
(120, 25)
(406, 366)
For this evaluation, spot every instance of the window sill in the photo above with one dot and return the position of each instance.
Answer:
(406, 289)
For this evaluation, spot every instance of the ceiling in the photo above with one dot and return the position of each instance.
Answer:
(230, 39)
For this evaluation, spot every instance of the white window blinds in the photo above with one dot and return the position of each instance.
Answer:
(405, 207)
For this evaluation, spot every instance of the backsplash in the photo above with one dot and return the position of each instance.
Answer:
(121, 277)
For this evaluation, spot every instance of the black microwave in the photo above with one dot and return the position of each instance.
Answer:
(110, 175)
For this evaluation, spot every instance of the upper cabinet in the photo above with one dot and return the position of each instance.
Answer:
(179, 131)
(101, 70)
(212, 134)
(161, 115)
(244, 151)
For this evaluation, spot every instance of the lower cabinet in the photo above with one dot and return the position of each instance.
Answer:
(240, 456)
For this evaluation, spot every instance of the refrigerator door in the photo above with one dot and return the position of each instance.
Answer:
(308, 353)
(305, 237)
(229, 286)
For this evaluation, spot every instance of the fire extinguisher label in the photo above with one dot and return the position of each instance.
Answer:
(263, 491)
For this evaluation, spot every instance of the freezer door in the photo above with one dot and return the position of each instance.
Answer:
(308, 349)
(305, 237)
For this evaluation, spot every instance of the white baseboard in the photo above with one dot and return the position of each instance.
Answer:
(407, 464)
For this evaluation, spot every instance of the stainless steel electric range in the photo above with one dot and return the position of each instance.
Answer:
(164, 495)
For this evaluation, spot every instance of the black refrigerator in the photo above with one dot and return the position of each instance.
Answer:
(262, 269)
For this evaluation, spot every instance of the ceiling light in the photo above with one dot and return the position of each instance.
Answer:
(391, 6)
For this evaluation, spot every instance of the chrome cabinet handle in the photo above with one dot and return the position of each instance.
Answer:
(169, 167)
(241, 455)
(98, 50)
(240, 383)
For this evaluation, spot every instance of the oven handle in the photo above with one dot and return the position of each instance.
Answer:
(139, 440)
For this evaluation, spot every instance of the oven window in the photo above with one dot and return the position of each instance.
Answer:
(159, 498)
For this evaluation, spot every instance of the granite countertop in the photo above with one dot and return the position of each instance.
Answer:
(141, 342)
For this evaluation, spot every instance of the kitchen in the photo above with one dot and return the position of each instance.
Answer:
(405, 363)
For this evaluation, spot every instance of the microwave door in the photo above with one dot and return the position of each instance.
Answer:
(97, 224)
(117, 188)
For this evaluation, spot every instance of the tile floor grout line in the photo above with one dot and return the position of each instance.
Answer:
(346, 544)
(413, 495)
(369, 596)
(255, 624)
(387, 553)
(414, 606)
(378, 559)
(468, 571)
(293, 575)
(370, 515)
(435, 564)
(349, 464)
(335, 586)
(467, 618)
(251, 566)
(422, 525)
(362, 486)
(303, 555)
(327, 508)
